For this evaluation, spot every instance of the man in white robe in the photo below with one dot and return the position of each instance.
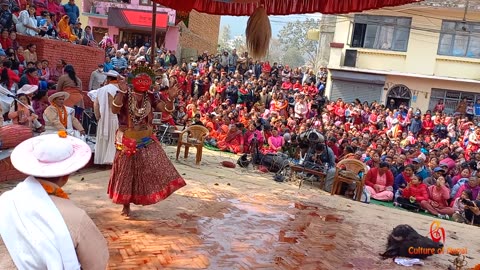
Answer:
(107, 122)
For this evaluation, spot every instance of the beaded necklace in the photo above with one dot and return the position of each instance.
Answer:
(138, 114)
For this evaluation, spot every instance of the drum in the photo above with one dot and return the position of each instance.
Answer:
(13, 135)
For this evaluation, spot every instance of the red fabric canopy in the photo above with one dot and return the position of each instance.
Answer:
(279, 7)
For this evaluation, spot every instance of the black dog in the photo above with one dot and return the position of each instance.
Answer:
(404, 241)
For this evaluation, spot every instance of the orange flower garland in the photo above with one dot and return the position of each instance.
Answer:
(58, 192)
(62, 134)
(62, 114)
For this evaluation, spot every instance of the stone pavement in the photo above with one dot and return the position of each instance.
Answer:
(239, 219)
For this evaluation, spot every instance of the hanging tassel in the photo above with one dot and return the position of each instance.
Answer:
(258, 33)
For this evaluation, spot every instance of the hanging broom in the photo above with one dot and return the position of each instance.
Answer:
(258, 33)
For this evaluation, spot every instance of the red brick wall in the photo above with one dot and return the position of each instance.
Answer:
(8, 172)
(202, 33)
(83, 58)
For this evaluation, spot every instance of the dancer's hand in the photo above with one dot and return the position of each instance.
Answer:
(173, 92)
(122, 84)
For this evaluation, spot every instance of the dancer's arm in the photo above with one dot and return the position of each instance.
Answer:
(117, 103)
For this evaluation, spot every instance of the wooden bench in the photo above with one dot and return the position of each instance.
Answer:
(294, 169)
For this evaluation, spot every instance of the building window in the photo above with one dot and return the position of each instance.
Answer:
(461, 39)
(381, 32)
(450, 98)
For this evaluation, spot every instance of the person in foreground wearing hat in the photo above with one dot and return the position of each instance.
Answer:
(107, 121)
(142, 173)
(40, 228)
(59, 117)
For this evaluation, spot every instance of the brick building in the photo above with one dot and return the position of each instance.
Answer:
(201, 34)
(131, 20)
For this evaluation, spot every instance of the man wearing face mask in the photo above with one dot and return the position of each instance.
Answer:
(97, 78)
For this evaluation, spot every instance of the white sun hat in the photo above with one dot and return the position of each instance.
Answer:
(112, 73)
(50, 156)
(27, 89)
(58, 94)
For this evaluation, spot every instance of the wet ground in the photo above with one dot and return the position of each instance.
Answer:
(241, 219)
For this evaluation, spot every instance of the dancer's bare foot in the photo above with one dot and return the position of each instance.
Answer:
(126, 210)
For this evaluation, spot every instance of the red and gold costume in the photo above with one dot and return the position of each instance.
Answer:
(142, 173)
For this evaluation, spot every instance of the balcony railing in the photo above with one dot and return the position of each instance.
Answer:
(101, 7)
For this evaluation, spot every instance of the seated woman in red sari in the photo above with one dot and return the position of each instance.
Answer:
(275, 142)
(212, 135)
(234, 141)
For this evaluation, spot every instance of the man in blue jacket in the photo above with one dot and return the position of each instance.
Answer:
(72, 11)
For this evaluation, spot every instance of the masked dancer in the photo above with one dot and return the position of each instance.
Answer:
(142, 174)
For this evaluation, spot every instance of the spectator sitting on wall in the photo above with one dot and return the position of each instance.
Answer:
(65, 30)
(77, 30)
(27, 23)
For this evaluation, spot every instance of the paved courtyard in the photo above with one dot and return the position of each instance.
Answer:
(242, 219)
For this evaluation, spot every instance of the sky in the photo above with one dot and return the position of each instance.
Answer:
(239, 24)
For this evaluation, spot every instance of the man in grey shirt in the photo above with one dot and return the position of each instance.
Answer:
(97, 78)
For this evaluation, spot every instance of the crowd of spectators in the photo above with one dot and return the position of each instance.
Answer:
(45, 18)
(424, 161)
(421, 160)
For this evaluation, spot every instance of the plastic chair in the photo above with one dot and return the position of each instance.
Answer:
(353, 167)
(193, 136)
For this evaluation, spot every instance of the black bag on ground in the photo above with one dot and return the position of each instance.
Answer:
(243, 161)
(273, 162)
(406, 204)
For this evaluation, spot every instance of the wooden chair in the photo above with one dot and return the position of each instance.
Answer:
(352, 168)
(193, 136)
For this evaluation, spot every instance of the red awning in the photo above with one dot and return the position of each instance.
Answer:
(279, 7)
(135, 19)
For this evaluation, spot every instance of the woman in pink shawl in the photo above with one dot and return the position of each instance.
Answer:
(438, 195)
(275, 142)
(253, 133)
